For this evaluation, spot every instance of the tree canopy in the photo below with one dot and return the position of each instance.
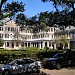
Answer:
(10, 9)
(67, 17)
(58, 18)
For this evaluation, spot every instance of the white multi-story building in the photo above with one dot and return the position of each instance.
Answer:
(14, 38)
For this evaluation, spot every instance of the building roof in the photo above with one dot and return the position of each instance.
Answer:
(70, 28)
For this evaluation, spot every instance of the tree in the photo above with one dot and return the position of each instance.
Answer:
(21, 20)
(63, 40)
(1, 3)
(56, 3)
(1, 42)
(10, 9)
(66, 4)
(14, 7)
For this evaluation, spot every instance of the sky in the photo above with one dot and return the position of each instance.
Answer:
(34, 7)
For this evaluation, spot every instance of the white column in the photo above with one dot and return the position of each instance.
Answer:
(43, 44)
(19, 44)
(4, 45)
(27, 44)
(39, 45)
(35, 44)
(54, 46)
(10, 44)
(48, 44)
(68, 45)
(14, 45)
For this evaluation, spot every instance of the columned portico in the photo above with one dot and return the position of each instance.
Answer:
(10, 44)
(14, 45)
(69, 45)
(51, 45)
(19, 44)
(43, 44)
(4, 44)
(54, 46)
(30, 44)
(39, 45)
(47, 43)
(27, 44)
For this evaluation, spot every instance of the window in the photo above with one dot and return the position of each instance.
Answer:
(12, 29)
(54, 29)
(15, 29)
(27, 61)
(1, 35)
(1, 28)
(7, 44)
(19, 62)
(52, 36)
(6, 35)
(30, 36)
(51, 29)
(8, 28)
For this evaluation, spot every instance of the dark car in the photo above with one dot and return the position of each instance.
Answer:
(59, 60)
(20, 66)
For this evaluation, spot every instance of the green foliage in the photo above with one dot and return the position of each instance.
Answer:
(8, 15)
(63, 40)
(14, 7)
(11, 9)
(31, 52)
(21, 20)
(60, 2)
(63, 19)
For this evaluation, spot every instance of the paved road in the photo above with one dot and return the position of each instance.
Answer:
(63, 71)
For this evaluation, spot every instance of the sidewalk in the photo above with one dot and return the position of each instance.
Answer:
(59, 72)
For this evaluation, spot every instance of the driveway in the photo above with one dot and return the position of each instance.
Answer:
(63, 71)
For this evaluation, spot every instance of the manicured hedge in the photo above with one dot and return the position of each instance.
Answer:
(30, 52)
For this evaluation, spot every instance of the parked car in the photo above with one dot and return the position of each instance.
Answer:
(60, 60)
(20, 66)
